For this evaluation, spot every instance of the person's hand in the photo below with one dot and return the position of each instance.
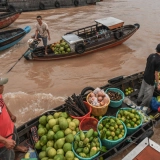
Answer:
(9, 143)
(13, 118)
(49, 38)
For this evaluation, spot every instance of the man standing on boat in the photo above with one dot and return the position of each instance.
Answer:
(150, 76)
(8, 134)
(42, 32)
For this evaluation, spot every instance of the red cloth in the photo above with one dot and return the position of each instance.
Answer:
(6, 125)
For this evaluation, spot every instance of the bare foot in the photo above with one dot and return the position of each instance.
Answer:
(46, 53)
(21, 149)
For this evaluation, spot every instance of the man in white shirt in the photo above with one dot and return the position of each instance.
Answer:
(42, 31)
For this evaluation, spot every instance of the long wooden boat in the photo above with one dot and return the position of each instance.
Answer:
(106, 33)
(146, 130)
(30, 5)
(8, 18)
(9, 38)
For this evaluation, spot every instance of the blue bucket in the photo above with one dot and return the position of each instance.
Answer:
(131, 130)
(81, 158)
(111, 143)
(116, 104)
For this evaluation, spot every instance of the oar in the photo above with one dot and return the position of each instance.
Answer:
(15, 63)
(36, 42)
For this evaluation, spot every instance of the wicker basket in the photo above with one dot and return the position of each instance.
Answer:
(98, 111)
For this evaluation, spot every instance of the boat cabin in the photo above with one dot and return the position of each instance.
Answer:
(104, 29)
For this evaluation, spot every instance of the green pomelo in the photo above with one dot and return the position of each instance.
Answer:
(60, 151)
(52, 122)
(69, 155)
(76, 121)
(41, 131)
(67, 131)
(38, 145)
(59, 157)
(44, 148)
(69, 138)
(67, 147)
(63, 124)
(59, 134)
(43, 140)
(43, 120)
(49, 117)
(56, 128)
(64, 114)
(41, 126)
(51, 153)
(42, 154)
(50, 143)
(50, 135)
(56, 115)
(72, 126)
(59, 143)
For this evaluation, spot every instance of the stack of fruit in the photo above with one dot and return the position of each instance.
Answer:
(86, 144)
(111, 128)
(128, 91)
(60, 47)
(56, 134)
(130, 117)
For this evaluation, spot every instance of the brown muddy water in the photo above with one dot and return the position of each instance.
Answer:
(35, 87)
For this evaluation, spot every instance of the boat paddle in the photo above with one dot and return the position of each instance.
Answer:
(32, 45)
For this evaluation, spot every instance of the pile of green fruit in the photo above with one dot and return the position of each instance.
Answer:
(128, 91)
(111, 128)
(130, 117)
(60, 47)
(56, 134)
(86, 143)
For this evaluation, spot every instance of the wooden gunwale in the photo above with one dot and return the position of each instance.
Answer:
(87, 52)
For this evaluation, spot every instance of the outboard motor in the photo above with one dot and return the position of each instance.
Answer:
(33, 43)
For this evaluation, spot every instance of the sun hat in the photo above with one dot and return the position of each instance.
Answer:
(3, 81)
(158, 48)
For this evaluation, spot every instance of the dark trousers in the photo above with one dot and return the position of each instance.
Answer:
(6, 154)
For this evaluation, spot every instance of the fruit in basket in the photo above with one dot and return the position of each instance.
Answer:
(130, 117)
(111, 129)
(86, 144)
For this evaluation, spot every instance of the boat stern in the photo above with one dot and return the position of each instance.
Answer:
(28, 54)
(27, 29)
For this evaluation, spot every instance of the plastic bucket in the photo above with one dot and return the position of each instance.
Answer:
(81, 158)
(131, 130)
(116, 103)
(87, 115)
(98, 111)
(111, 143)
(88, 123)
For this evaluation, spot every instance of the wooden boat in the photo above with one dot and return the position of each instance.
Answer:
(8, 18)
(30, 5)
(146, 130)
(11, 37)
(106, 33)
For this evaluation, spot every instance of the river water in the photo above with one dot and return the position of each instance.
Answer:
(35, 87)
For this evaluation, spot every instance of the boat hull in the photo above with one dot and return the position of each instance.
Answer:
(91, 48)
(8, 19)
(9, 41)
(24, 131)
